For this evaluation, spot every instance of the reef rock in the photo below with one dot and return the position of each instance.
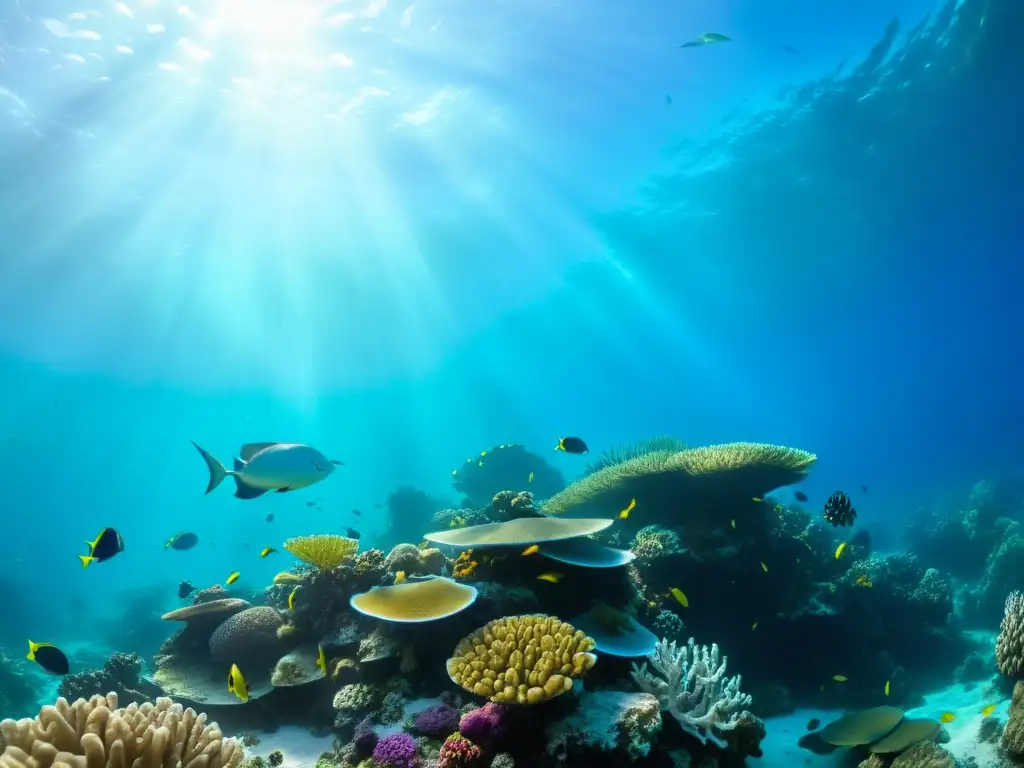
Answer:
(607, 721)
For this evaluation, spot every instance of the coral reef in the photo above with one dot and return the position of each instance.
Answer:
(396, 751)
(505, 467)
(618, 454)
(459, 752)
(121, 674)
(607, 722)
(1010, 641)
(325, 551)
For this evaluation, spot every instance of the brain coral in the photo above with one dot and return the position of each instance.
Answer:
(249, 637)
(522, 659)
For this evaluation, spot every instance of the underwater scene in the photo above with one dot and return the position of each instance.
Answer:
(440, 384)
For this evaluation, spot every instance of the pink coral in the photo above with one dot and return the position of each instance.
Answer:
(459, 752)
(484, 725)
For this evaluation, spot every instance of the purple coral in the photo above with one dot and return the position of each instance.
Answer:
(396, 751)
(365, 738)
(437, 721)
(484, 725)
(459, 752)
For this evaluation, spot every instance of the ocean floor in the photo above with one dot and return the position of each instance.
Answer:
(300, 748)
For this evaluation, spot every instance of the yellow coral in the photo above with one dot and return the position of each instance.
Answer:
(522, 659)
(465, 566)
(323, 550)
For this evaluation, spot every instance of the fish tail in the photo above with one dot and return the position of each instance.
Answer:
(86, 559)
(217, 470)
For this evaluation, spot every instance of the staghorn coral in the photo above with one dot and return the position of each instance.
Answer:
(619, 453)
(98, 733)
(522, 659)
(690, 683)
(323, 550)
(1010, 641)
(733, 470)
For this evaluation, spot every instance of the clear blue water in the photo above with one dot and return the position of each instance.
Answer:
(404, 233)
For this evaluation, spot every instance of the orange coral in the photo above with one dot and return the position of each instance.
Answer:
(465, 566)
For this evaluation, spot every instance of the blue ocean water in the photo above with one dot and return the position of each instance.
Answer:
(406, 232)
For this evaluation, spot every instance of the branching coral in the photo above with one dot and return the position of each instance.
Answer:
(97, 733)
(620, 453)
(522, 659)
(690, 684)
(322, 550)
(1010, 642)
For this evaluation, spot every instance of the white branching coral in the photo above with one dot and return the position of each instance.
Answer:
(690, 684)
(1010, 641)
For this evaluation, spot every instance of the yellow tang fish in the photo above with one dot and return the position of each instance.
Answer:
(988, 710)
(291, 599)
(840, 549)
(888, 687)
(232, 578)
(839, 678)
(677, 593)
(753, 626)
(321, 660)
(531, 550)
(400, 577)
(624, 514)
(764, 567)
(267, 551)
(554, 578)
(530, 478)
(947, 717)
(237, 684)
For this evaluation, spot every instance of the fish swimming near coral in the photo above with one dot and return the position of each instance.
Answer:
(107, 544)
(572, 445)
(840, 678)
(182, 541)
(987, 711)
(530, 550)
(49, 657)
(266, 467)
(624, 514)
(813, 724)
(267, 551)
(400, 577)
(888, 687)
(185, 589)
(764, 567)
(839, 510)
(232, 578)
(800, 496)
(840, 549)
(529, 478)
(291, 598)
(552, 577)
(321, 659)
(680, 597)
(270, 517)
(237, 684)
(947, 717)
(352, 533)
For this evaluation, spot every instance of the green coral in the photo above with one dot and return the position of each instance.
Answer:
(626, 451)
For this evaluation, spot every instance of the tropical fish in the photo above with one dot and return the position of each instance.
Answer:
(291, 599)
(267, 551)
(764, 567)
(677, 593)
(185, 589)
(864, 488)
(530, 550)
(753, 626)
(813, 724)
(270, 517)
(270, 467)
(864, 581)
(800, 496)
(286, 577)
(572, 445)
(552, 577)
(232, 578)
(321, 660)
(757, 499)
(357, 513)
(840, 678)
(988, 710)
(840, 549)
(182, 541)
(624, 514)
(733, 523)
(237, 684)
(107, 544)
(529, 478)
(352, 533)
(947, 717)
(888, 687)
(704, 38)
(400, 577)
(49, 657)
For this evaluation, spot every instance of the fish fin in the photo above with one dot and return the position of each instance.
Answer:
(31, 651)
(86, 559)
(251, 449)
(243, 491)
(337, 463)
(217, 470)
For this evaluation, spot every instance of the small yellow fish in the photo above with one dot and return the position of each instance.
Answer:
(291, 599)
(529, 479)
(267, 551)
(483, 453)
(947, 717)
(237, 684)
(840, 549)
(764, 567)
(624, 514)
(758, 499)
(455, 472)
(400, 577)
(753, 626)
(888, 687)
(554, 578)
(232, 578)
(839, 678)
(677, 593)
(530, 550)
(988, 710)
(864, 581)
(733, 523)
(480, 463)
(286, 577)
(321, 660)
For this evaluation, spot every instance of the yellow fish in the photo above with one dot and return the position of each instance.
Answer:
(839, 678)
(455, 472)
(530, 478)
(988, 710)
(888, 687)
(267, 551)
(753, 626)
(531, 550)
(483, 453)
(237, 684)
(624, 514)
(232, 578)
(285, 577)
(400, 577)
(947, 717)
(291, 599)
(864, 581)
(321, 660)
(764, 567)
(554, 578)
(677, 593)
(758, 499)
(840, 549)
(480, 463)
(733, 523)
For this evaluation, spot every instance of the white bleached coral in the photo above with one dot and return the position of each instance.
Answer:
(97, 733)
(690, 684)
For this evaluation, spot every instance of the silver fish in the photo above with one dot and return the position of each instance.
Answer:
(266, 467)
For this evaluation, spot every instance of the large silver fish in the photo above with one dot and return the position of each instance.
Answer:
(266, 467)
